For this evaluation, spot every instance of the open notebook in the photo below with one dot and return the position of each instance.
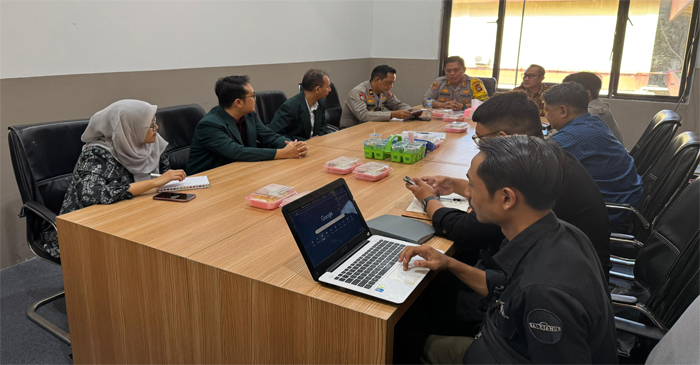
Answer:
(197, 182)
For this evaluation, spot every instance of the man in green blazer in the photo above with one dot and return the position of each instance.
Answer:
(231, 131)
(304, 115)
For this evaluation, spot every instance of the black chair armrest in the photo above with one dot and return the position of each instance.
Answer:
(626, 301)
(639, 329)
(332, 128)
(40, 210)
(630, 208)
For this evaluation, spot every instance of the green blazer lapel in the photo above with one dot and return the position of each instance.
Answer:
(305, 115)
(251, 130)
(319, 116)
(230, 124)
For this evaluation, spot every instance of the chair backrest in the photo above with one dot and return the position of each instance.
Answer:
(43, 158)
(667, 177)
(657, 135)
(680, 344)
(176, 125)
(668, 265)
(267, 103)
(333, 108)
(490, 84)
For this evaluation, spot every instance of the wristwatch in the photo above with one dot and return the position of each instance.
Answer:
(426, 200)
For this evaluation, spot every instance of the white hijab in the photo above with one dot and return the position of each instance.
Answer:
(120, 129)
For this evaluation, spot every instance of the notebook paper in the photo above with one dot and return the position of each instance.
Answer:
(198, 182)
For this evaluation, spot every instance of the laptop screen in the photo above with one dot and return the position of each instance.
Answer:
(327, 223)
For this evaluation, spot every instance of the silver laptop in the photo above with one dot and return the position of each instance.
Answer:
(340, 250)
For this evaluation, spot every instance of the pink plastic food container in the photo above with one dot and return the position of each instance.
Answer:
(294, 197)
(372, 171)
(453, 117)
(456, 127)
(342, 165)
(439, 113)
(270, 196)
(469, 112)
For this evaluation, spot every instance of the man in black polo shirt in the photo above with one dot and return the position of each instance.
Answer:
(579, 202)
(548, 297)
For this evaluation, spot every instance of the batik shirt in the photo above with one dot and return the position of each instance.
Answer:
(537, 98)
(98, 178)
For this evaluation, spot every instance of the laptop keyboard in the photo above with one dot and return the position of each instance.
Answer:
(374, 263)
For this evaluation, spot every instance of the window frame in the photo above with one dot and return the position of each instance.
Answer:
(618, 49)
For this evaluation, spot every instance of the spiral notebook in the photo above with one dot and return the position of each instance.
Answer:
(197, 182)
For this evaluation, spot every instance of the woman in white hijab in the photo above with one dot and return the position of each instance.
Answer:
(122, 148)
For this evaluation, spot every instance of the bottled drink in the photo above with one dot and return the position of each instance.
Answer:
(429, 103)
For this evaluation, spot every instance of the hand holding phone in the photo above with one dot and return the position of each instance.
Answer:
(174, 197)
(409, 181)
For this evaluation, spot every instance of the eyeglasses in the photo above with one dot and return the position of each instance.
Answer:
(153, 125)
(529, 76)
(477, 138)
(254, 96)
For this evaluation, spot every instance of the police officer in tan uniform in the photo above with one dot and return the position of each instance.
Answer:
(373, 101)
(455, 90)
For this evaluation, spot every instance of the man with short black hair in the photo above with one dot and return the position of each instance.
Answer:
(588, 139)
(231, 130)
(456, 89)
(596, 107)
(533, 86)
(303, 115)
(373, 101)
(548, 298)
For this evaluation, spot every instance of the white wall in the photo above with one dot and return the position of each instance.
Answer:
(406, 29)
(42, 38)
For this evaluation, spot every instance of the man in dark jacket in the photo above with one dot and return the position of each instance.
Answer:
(231, 131)
(303, 115)
(549, 300)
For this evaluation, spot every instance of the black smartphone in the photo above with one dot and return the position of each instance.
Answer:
(175, 197)
(409, 181)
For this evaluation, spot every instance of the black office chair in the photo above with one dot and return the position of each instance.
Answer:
(662, 182)
(678, 345)
(43, 158)
(267, 103)
(664, 279)
(657, 135)
(490, 83)
(334, 110)
(176, 125)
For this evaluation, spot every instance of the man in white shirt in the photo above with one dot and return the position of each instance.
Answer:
(592, 83)
(303, 115)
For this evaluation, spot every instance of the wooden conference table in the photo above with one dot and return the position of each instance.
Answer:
(217, 281)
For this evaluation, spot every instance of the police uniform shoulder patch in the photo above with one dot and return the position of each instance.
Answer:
(545, 326)
(434, 87)
(362, 96)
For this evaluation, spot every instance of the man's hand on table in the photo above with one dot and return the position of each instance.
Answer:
(400, 114)
(454, 105)
(432, 258)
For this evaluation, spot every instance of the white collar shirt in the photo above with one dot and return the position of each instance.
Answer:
(312, 109)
